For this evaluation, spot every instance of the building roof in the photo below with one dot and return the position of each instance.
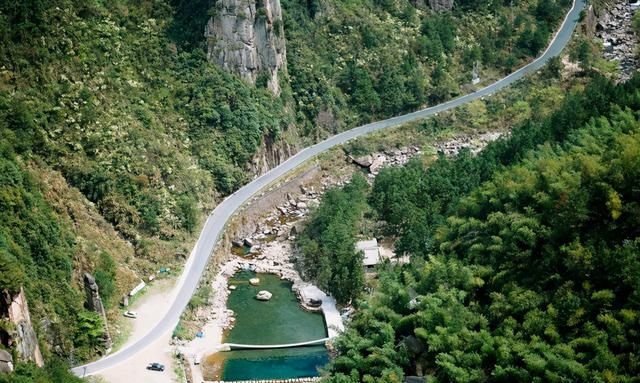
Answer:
(371, 253)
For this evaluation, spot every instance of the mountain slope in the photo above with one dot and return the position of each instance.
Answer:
(532, 275)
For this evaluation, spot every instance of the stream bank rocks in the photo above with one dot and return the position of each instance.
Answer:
(293, 380)
(391, 157)
(474, 143)
(619, 40)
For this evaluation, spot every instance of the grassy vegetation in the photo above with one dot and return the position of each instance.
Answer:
(128, 128)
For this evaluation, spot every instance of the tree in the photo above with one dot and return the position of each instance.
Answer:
(12, 276)
(105, 275)
(187, 212)
(554, 67)
(328, 241)
(358, 84)
(582, 54)
(532, 273)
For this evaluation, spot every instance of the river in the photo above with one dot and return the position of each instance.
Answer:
(280, 320)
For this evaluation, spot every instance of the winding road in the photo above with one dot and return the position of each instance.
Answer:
(216, 222)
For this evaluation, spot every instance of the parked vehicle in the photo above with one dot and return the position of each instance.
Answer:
(155, 366)
(131, 314)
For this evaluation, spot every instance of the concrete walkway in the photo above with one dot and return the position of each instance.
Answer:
(329, 310)
(237, 346)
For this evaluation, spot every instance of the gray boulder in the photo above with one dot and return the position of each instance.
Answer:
(6, 362)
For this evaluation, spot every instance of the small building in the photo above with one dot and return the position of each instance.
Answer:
(371, 253)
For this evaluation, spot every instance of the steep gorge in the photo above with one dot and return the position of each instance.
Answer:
(120, 137)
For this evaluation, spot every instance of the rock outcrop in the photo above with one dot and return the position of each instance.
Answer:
(376, 161)
(475, 143)
(264, 295)
(441, 5)
(22, 337)
(270, 154)
(246, 37)
(94, 303)
(6, 362)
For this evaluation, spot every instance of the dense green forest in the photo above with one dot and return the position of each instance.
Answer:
(327, 244)
(361, 59)
(524, 258)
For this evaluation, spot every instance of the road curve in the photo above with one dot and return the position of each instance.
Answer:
(216, 222)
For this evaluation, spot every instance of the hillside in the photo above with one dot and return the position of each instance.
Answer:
(524, 258)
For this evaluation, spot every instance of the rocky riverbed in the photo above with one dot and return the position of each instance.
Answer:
(475, 143)
(619, 40)
(391, 157)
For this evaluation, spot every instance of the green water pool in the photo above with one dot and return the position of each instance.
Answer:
(274, 364)
(280, 320)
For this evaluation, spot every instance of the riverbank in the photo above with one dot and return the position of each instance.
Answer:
(615, 28)
(274, 258)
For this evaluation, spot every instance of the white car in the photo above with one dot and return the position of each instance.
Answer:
(130, 314)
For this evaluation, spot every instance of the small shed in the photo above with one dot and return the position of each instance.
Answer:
(371, 253)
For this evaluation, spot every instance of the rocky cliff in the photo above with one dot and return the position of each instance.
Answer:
(269, 155)
(441, 5)
(21, 336)
(94, 303)
(6, 361)
(246, 37)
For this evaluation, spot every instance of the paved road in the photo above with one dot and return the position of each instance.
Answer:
(217, 220)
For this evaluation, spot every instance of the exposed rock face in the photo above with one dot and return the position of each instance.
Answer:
(590, 21)
(376, 161)
(474, 143)
(364, 161)
(94, 303)
(272, 153)
(441, 5)
(246, 37)
(420, 4)
(23, 338)
(6, 362)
